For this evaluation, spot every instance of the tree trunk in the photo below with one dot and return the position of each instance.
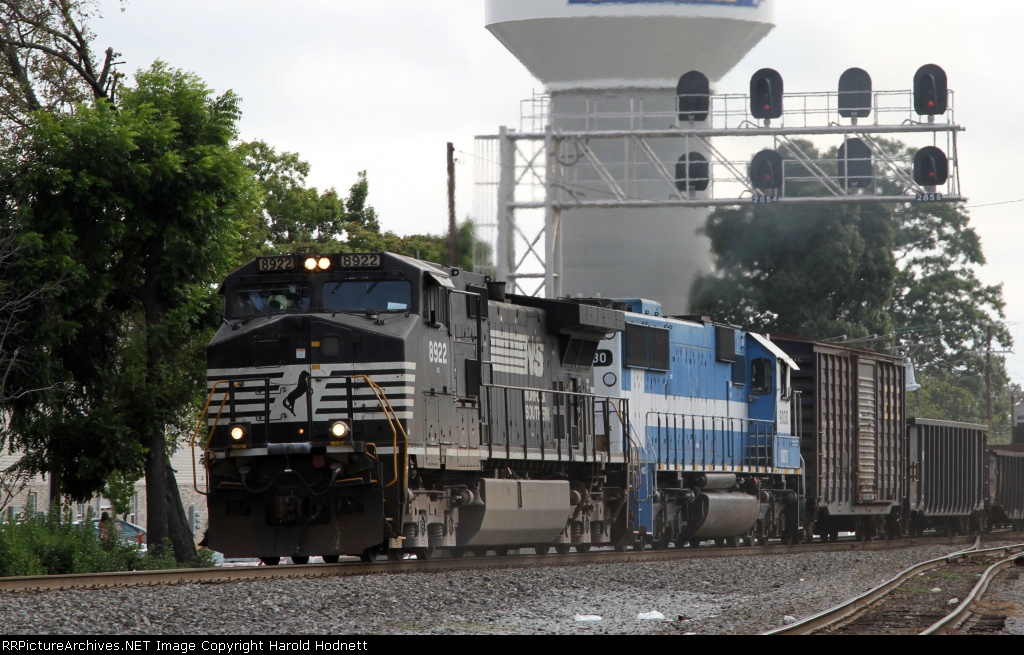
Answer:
(157, 470)
(166, 515)
(177, 522)
(55, 493)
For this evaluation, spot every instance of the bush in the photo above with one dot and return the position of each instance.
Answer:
(54, 544)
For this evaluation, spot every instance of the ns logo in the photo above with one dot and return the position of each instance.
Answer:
(535, 358)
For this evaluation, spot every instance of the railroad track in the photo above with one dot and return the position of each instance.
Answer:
(354, 567)
(940, 596)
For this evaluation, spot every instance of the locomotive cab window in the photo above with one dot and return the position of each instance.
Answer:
(761, 376)
(358, 295)
(263, 299)
(435, 305)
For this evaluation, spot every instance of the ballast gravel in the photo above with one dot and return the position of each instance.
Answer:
(718, 596)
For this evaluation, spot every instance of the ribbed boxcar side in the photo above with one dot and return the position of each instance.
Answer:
(853, 436)
(946, 476)
(1006, 485)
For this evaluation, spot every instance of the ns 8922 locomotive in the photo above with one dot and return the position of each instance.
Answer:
(367, 404)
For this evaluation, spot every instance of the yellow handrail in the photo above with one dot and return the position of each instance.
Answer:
(392, 418)
(204, 418)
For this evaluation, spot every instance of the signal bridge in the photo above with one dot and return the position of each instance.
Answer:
(733, 150)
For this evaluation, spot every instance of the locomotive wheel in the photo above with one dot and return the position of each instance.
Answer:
(562, 549)
(270, 561)
(300, 559)
(395, 554)
(330, 559)
(423, 553)
(542, 549)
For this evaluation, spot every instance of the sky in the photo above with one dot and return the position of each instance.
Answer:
(384, 86)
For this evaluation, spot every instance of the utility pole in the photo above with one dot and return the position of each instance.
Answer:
(988, 380)
(453, 235)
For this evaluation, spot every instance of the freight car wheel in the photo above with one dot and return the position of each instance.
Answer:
(457, 553)
(501, 552)
(270, 561)
(300, 559)
(583, 548)
(368, 555)
(330, 559)
(694, 543)
(395, 554)
(542, 549)
(562, 549)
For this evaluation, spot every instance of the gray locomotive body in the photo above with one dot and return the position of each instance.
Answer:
(376, 403)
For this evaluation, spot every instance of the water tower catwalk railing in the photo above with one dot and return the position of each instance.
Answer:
(528, 179)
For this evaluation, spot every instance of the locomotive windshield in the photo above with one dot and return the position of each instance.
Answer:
(259, 300)
(368, 295)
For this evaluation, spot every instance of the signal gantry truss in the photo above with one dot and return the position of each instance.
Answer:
(649, 152)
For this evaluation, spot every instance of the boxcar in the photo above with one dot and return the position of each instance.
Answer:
(852, 425)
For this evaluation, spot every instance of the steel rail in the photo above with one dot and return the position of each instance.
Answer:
(957, 617)
(851, 607)
(352, 566)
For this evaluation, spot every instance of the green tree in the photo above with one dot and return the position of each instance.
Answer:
(298, 217)
(147, 203)
(898, 278)
(434, 247)
(294, 215)
(817, 271)
(48, 61)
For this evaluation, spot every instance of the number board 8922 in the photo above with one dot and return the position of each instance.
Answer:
(356, 260)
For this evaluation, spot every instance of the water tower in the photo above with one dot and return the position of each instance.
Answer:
(613, 65)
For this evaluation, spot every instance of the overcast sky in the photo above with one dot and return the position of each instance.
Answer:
(384, 85)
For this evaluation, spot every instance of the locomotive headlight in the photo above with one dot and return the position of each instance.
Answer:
(323, 263)
(339, 429)
(238, 432)
(310, 264)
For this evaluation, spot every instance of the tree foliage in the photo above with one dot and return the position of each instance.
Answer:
(896, 278)
(47, 60)
(299, 217)
(142, 204)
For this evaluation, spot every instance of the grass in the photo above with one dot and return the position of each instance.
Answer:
(53, 544)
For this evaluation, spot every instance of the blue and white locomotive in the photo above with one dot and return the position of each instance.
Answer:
(365, 404)
(710, 423)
